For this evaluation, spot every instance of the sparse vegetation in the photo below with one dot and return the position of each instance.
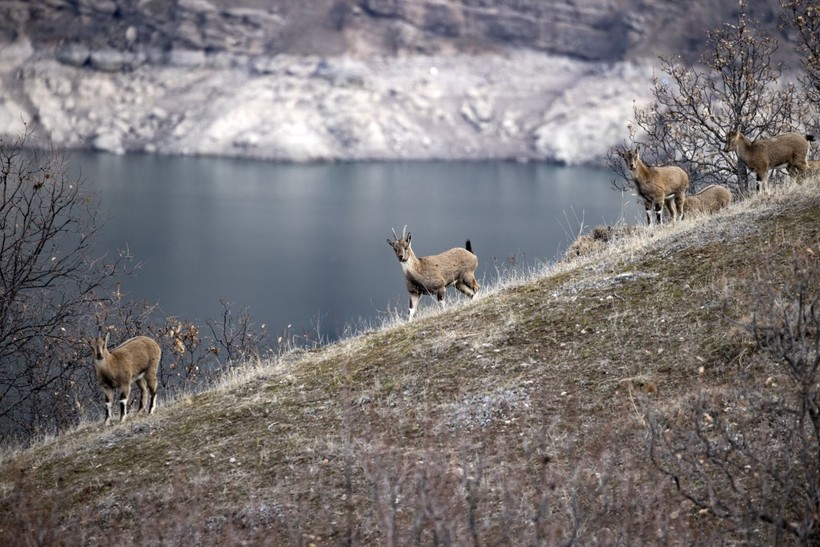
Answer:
(653, 387)
(522, 416)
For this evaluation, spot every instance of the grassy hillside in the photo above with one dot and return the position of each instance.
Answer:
(522, 417)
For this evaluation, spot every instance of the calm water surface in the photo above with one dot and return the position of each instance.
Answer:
(305, 245)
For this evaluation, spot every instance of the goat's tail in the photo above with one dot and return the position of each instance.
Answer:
(469, 246)
(809, 137)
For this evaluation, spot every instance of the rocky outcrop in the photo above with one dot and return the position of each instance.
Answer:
(332, 79)
(298, 108)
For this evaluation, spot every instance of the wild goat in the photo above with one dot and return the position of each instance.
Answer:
(763, 155)
(433, 274)
(137, 360)
(709, 200)
(658, 186)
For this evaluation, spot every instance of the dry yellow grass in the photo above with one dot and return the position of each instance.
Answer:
(517, 417)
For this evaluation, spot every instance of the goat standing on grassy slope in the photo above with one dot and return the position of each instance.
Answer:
(433, 274)
(137, 360)
(763, 155)
(709, 200)
(658, 186)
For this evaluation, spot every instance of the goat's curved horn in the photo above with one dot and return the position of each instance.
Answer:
(404, 232)
(394, 233)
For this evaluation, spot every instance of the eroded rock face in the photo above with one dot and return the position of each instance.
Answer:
(332, 79)
(321, 109)
(595, 30)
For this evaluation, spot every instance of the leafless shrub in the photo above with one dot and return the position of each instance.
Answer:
(748, 456)
(235, 338)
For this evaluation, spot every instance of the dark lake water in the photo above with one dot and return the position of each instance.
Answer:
(305, 245)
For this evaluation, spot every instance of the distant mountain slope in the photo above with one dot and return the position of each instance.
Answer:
(596, 30)
(347, 80)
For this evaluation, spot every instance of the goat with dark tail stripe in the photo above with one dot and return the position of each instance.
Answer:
(433, 274)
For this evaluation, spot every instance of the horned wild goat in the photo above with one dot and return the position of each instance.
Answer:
(708, 200)
(661, 186)
(135, 360)
(763, 155)
(433, 274)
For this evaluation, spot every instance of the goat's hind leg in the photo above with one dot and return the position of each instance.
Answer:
(465, 288)
(440, 294)
(143, 384)
(796, 172)
(151, 379)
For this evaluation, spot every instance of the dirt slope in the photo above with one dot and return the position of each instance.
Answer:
(520, 417)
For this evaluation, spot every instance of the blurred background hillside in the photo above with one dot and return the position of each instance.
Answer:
(599, 30)
(346, 79)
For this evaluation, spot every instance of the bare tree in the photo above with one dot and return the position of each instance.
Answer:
(50, 278)
(804, 17)
(737, 85)
(56, 291)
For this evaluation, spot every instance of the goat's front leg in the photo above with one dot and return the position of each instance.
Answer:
(124, 393)
(440, 294)
(649, 212)
(109, 402)
(414, 303)
(763, 182)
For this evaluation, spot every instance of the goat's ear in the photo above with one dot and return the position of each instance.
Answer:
(105, 343)
(408, 237)
(389, 242)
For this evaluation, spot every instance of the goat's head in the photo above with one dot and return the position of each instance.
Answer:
(631, 158)
(732, 140)
(401, 245)
(98, 346)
